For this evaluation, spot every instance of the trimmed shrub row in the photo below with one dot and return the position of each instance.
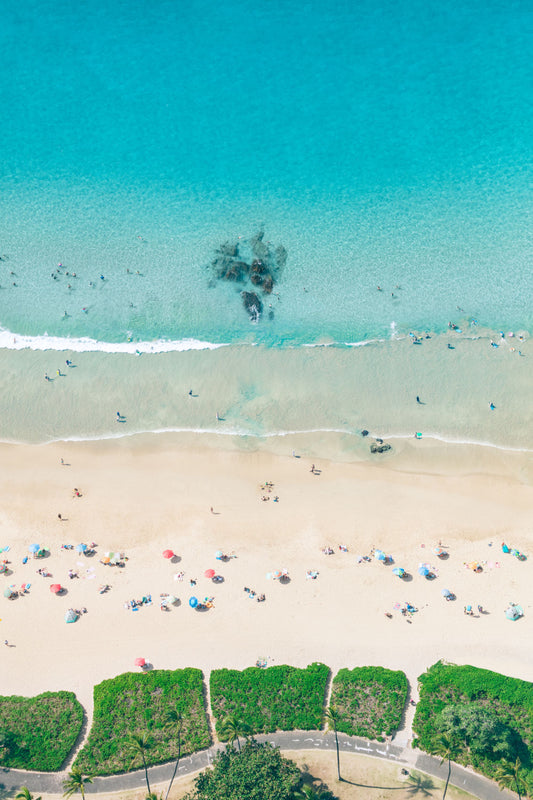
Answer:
(266, 700)
(369, 701)
(136, 704)
(39, 732)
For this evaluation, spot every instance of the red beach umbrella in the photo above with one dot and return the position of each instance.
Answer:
(168, 554)
(209, 573)
(55, 588)
(140, 662)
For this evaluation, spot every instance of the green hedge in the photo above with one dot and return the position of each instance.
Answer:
(507, 700)
(369, 701)
(135, 703)
(276, 698)
(39, 732)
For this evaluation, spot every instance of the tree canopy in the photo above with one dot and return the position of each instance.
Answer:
(479, 728)
(257, 772)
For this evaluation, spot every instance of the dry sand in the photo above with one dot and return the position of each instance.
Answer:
(145, 494)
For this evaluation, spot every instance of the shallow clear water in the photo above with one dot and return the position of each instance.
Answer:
(381, 144)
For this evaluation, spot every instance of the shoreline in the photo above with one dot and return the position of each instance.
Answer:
(247, 397)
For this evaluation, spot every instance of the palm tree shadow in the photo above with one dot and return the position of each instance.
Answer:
(420, 783)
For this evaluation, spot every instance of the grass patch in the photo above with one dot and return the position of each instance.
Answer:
(369, 701)
(135, 703)
(495, 712)
(39, 732)
(277, 698)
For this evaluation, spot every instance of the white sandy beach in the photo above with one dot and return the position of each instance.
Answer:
(144, 494)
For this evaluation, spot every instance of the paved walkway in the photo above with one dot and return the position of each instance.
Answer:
(401, 753)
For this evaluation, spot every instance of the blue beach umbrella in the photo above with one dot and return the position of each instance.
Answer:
(380, 555)
(423, 571)
(34, 548)
(193, 602)
(446, 593)
(399, 571)
(71, 616)
(81, 548)
(219, 554)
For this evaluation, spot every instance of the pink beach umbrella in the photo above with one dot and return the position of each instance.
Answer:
(140, 662)
(209, 573)
(168, 554)
(56, 588)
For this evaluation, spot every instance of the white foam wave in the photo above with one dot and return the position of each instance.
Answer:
(13, 341)
(240, 432)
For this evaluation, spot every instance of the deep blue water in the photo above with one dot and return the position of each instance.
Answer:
(382, 143)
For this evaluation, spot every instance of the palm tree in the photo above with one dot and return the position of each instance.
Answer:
(76, 783)
(332, 717)
(231, 728)
(25, 794)
(174, 715)
(510, 776)
(446, 748)
(139, 743)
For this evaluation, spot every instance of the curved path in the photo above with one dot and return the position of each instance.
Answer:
(407, 757)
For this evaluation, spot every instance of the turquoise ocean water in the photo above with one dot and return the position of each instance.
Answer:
(381, 143)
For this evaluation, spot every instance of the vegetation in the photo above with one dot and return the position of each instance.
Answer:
(257, 772)
(39, 732)
(511, 776)
(25, 794)
(486, 719)
(75, 782)
(266, 700)
(332, 719)
(136, 705)
(369, 701)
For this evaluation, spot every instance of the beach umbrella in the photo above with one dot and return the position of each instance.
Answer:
(168, 554)
(446, 593)
(71, 616)
(139, 662)
(209, 573)
(3, 568)
(439, 551)
(8, 592)
(34, 548)
(514, 612)
(106, 560)
(380, 555)
(193, 602)
(399, 571)
(277, 574)
(170, 599)
(423, 571)
(81, 547)
(219, 554)
(56, 588)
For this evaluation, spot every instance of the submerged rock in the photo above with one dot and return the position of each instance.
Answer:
(252, 304)
(253, 262)
(379, 448)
